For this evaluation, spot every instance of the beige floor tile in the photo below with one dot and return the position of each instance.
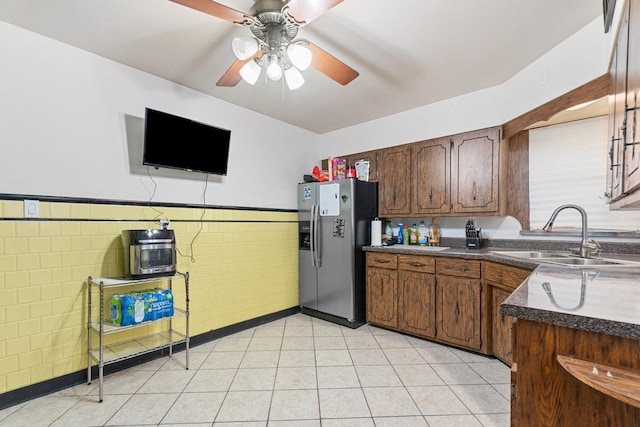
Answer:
(329, 343)
(503, 389)
(438, 354)
(195, 408)
(179, 361)
(298, 343)
(294, 423)
(223, 360)
(298, 330)
(244, 406)
(167, 382)
(128, 381)
(378, 376)
(365, 342)
(418, 421)
(337, 377)
(326, 329)
(232, 343)
(390, 402)
(294, 405)
(296, 378)
(493, 372)
(143, 409)
(453, 420)
(469, 357)
(393, 341)
(481, 399)
(404, 356)
(51, 410)
(417, 375)
(254, 379)
(457, 373)
(343, 403)
(267, 343)
(206, 380)
(351, 332)
(373, 356)
(89, 412)
(260, 359)
(269, 331)
(240, 424)
(292, 358)
(348, 422)
(437, 400)
(333, 358)
(495, 420)
(203, 348)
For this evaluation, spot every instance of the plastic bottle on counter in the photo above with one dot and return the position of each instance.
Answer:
(434, 233)
(413, 235)
(423, 234)
(400, 233)
(405, 235)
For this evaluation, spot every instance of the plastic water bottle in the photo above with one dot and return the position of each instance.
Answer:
(423, 234)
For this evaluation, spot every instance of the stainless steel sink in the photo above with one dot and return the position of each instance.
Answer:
(565, 258)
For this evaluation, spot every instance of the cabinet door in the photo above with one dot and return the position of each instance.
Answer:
(371, 156)
(394, 181)
(501, 326)
(617, 114)
(632, 148)
(382, 296)
(417, 303)
(475, 172)
(458, 311)
(430, 185)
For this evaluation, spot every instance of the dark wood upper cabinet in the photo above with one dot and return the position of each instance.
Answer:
(394, 177)
(431, 183)
(476, 172)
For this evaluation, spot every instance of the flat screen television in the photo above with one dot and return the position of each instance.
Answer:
(179, 143)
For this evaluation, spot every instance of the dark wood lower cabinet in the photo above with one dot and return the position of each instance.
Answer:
(545, 394)
(417, 303)
(459, 315)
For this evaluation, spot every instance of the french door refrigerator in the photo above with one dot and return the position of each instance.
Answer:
(334, 223)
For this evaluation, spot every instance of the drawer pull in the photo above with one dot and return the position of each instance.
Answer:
(416, 264)
(383, 261)
(451, 267)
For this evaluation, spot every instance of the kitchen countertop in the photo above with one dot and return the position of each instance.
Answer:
(597, 299)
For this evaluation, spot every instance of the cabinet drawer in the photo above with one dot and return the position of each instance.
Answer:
(377, 259)
(505, 275)
(417, 263)
(458, 267)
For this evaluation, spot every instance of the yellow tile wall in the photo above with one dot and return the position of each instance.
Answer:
(242, 264)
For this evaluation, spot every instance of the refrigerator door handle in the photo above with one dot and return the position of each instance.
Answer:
(315, 230)
(312, 237)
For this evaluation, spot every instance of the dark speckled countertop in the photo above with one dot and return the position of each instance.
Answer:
(603, 299)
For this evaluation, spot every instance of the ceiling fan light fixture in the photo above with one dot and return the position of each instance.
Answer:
(299, 55)
(244, 47)
(251, 71)
(293, 77)
(274, 69)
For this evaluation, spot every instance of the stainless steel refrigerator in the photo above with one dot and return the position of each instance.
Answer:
(334, 223)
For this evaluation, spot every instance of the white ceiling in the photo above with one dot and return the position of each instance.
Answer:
(409, 53)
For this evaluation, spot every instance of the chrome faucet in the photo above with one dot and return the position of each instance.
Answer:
(588, 247)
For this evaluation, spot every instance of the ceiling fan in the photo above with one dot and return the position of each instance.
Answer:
(274, 25)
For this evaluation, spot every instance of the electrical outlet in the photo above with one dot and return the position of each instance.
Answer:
(164, 224)
(32, 208)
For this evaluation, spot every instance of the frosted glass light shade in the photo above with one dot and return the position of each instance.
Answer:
(250, 72)
(244, 47)
(293, 77)
(299, 55)
(274, 70)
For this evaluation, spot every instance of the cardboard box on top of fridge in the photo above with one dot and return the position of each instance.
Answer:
(337, 168)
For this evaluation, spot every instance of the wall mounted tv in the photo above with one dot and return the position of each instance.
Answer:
(180, 143)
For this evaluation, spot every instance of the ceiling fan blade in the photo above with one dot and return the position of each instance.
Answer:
(305, 11)
(330, 66)
(215, 9)
(232, 77)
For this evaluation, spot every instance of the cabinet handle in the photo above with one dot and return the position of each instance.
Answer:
(611, 164)
(416, 264)
(451, 267)
(383, 261)
(474, 192)
(457, 311)
(430, 195)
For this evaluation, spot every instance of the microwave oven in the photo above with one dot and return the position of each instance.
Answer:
(149, 253)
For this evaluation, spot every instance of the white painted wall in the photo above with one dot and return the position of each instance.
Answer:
(578, 60)
(71, 125)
